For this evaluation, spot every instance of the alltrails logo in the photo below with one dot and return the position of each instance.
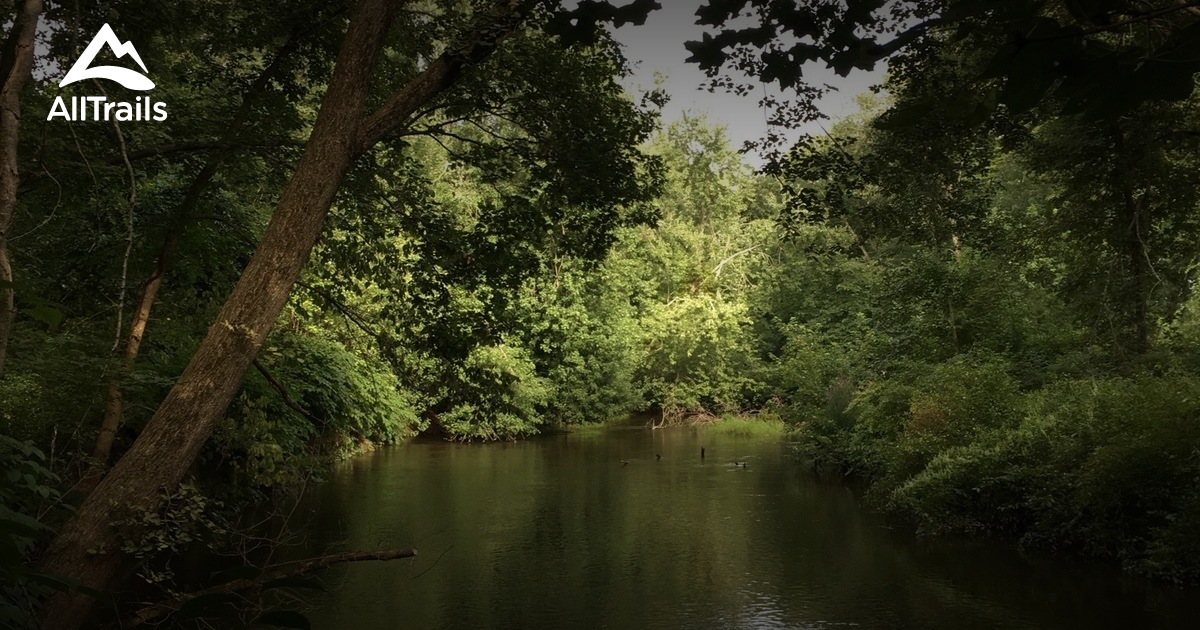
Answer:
(99, 107)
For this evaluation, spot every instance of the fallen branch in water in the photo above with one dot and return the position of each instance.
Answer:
(297, 568)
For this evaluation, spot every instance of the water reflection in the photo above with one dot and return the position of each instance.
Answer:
(558, 533)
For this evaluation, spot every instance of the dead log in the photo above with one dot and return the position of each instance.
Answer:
(159, 610)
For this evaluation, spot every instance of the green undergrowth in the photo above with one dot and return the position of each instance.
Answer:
(766, 424)
(1105, 467)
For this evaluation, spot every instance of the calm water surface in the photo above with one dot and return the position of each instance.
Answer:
(558, 533)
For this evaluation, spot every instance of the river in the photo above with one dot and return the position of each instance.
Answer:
(558, 532)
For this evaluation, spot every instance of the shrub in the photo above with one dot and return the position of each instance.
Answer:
(809, 377)
(26, 487)
(496, 396)
(1108, 467)
(22, 405)
(583, 338)
(952, 406)
(895, 427)
(347, 400)
(698, 356)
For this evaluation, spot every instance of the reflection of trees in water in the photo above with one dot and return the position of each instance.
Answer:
(555, 532)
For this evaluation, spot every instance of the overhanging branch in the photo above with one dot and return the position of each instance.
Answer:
(440, 74)
(157, 611)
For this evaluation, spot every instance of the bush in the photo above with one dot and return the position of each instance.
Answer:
(26, 487)
(22, 408)
(348, 400)
(54, 382)
(698, 356)
(1108, 467)
(496, 396)
(583, 338)
(809, 377)
(895, 427)
(951, 406)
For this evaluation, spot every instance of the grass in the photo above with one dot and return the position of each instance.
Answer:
(590, 428)
(756, 425)
(761, 425)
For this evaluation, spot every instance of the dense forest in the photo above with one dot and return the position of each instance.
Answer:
(361, 222)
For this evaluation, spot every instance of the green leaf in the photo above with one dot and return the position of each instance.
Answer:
(48, 315)
(57, 583)
(24, 526)
(904, 115)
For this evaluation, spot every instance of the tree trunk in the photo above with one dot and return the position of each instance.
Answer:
(87, 547)
(1135, 226)
(1139, 270)
(170, 442)
(113, 407)
(952, 318)
(16, 63)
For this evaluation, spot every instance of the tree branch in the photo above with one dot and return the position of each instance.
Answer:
(162, 609)
(283, 393)
(350, 314)
(1189, 6)
(164, 151)
(440, 74)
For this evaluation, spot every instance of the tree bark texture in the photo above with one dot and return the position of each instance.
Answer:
(113, 407)
(16, 64)
(161, 455)
(159, 458)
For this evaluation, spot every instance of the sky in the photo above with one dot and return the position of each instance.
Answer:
(657, 46)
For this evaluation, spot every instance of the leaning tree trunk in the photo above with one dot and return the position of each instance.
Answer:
(114, 401)
(170, 442)
(16, 63)
(87, 547)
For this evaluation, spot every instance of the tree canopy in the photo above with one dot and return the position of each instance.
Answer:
(363, 222)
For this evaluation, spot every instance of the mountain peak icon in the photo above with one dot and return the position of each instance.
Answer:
(83, 68)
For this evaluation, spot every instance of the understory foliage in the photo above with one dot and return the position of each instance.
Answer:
(1004, 341)
(495, 395)
(986, 311)
(28, 491)
(1005, 338)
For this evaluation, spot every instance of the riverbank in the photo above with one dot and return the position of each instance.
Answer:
(1107, 468)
